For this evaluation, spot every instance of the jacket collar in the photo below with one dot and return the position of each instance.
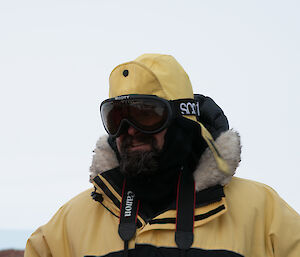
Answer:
(210, 204)
(206, 174)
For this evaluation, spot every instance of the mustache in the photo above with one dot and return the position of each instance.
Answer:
(141, 138)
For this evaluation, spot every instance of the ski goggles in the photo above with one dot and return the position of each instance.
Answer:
(147, 113)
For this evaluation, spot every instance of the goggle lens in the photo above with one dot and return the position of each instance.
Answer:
(147, 115)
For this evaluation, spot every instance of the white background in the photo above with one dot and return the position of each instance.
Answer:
(55, 60)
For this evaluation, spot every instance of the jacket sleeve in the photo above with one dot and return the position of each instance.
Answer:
(284, 228)
(51, 239)
(37, 245)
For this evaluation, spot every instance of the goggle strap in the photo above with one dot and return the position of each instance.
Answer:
(185, 107)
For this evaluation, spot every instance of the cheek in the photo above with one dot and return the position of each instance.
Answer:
(160, 144)
(160, 139)
(119, 142)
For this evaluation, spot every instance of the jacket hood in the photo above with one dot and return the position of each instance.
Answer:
(206, 174)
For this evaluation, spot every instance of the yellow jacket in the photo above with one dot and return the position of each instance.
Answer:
(249, 219)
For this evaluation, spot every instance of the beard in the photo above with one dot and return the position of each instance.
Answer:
(139, 164)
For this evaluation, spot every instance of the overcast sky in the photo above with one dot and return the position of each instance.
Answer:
(55, 60)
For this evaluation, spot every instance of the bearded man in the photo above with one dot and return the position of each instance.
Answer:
(163, 180)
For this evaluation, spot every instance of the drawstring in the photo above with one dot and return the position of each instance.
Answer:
(128, 216)
(185, 206)
(96, 196)
(221, 162)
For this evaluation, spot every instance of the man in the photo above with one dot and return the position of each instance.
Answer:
(163, 182)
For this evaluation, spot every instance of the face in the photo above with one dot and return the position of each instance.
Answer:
(140, 152)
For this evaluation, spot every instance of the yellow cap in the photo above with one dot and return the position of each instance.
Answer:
(152, 74)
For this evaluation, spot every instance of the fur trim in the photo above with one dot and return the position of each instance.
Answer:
(206, 173)
(104, 158)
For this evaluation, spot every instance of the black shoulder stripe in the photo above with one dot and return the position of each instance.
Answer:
(209, 195)
(110, 211)
(197, 217)
(106, 190)
(163, 221)
(210, 213)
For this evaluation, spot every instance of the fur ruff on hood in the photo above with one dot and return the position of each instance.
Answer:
(205, 175)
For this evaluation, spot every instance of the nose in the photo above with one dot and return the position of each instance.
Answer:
(132, 131)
